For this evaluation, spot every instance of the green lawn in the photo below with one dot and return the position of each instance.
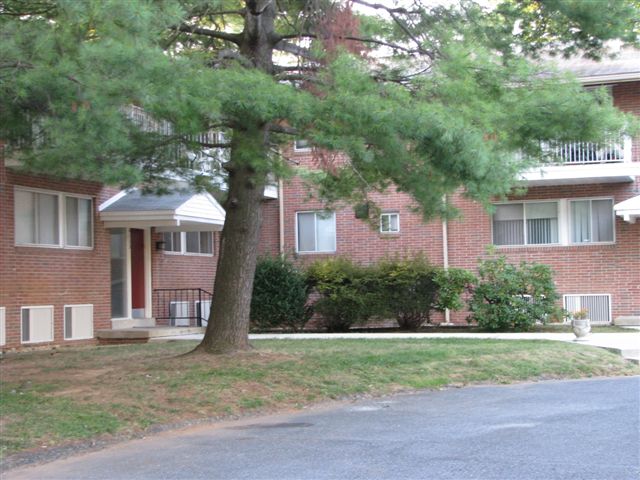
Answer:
(48, 398)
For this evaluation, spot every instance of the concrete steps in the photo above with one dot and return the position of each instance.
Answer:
(627, 321)
(142, 334)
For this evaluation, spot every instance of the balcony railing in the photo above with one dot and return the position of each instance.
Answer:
(612, 151)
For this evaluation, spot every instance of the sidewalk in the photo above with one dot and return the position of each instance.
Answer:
(626, 344)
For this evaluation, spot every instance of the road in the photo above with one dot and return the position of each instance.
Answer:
(585, 429)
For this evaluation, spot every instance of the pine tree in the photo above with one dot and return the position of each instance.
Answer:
(427, 98)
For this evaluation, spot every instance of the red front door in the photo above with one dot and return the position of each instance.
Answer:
(137, 273)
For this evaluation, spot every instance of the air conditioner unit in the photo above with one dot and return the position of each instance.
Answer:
(179, 314)
(202, 310)
(598, 306)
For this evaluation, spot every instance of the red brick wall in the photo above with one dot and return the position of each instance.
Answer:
(32, 276)
(356, 238)
(270, 231)
(578, 269)
(613, 269)
(172, 270)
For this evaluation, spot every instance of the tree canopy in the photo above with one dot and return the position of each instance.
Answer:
(426, 97)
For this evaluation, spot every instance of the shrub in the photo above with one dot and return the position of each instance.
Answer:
(410, 289)
(346, 296)
(511, 297)
(407, 290)
(279, 296)
(452, 283)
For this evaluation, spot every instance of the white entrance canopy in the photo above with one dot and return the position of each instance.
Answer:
(176, 211)
(629, 209)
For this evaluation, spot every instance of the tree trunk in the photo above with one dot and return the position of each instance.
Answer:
(228, 327)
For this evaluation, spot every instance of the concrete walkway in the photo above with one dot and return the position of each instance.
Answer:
(626, 344)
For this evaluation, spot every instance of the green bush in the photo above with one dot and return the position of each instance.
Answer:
(511, 297)
(452, 283)
(411, 289)
(280, 294)
(407, 290)
(345, 292)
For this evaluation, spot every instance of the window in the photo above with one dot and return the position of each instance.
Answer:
(78, 220)
(390, 223)
(53, 219)
(36, 324)
(195, 243)
(316, 231)
(37, 218)
(301, 145)
(172, 242)
(119, 276)
(199, 242)
(78, 322)
(531, 223)
(592, 221)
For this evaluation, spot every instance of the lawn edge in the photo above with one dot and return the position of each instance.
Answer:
(38, 456)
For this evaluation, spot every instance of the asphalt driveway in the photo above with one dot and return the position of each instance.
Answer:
(586, 429)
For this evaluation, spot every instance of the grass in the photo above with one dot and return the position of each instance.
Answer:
(49, 398)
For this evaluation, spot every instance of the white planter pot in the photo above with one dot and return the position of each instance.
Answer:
(581, 328)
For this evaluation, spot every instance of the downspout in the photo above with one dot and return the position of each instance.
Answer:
(445, 258)
(281, 215)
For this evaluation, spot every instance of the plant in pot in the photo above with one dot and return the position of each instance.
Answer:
(581, 324)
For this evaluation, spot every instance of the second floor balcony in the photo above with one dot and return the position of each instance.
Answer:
(584, 163)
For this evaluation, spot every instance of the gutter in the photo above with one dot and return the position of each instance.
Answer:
(445, 258)
(281, 215)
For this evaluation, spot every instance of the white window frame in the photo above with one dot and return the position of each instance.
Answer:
(53, 322)
(564, 223)
(62, 219)
(389, 214)
(570, 220)
(64, 321)
(301, 149)
(315, 231)
(183, 245)
(524, 221)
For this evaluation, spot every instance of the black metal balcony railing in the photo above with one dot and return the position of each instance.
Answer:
(181, 307)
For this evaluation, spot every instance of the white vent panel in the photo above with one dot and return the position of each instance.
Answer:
(598, 306)
(78, 322)
(37, 324)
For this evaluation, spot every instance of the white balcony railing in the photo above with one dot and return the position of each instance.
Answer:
(616, 150)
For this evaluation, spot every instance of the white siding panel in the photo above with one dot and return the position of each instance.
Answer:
(202, 206)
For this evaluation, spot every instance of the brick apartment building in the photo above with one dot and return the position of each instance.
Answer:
(78, 257)
(579, 216)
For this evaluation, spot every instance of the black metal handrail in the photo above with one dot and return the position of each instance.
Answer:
(182, 307)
